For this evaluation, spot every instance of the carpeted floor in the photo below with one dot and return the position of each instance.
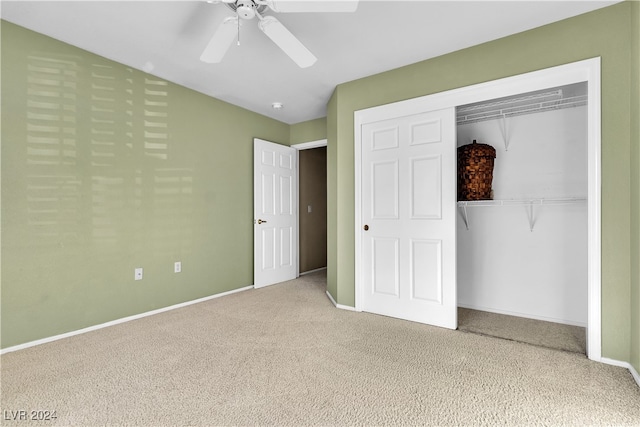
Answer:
(529, 331)
(283, 355)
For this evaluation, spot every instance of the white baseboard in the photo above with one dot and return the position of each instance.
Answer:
(343, 307)
(622, 364)
(525, 315)
(118, 321)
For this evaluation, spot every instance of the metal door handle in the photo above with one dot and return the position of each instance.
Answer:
(366, 227)
(261, 221)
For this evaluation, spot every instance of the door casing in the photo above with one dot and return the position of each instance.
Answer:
(576, 72)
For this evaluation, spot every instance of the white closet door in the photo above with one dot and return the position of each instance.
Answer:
(409, 217)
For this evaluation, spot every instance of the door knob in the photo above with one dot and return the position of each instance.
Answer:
(366, 227)
(261, 221)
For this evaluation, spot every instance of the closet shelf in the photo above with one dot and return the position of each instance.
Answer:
(503, 109)
(530, 203)
(516, 106)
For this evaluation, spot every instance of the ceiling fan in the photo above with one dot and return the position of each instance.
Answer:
(278, 33)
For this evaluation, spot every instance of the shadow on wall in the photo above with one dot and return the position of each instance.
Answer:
(88, 177)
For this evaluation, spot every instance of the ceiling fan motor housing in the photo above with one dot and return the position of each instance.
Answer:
(246, 9)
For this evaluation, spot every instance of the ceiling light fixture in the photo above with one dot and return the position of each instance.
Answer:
(277, 106)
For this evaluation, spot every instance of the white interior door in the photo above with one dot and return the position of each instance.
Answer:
(408, 177)
(275, 209)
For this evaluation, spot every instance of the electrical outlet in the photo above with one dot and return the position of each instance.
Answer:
(309, 209)
(177, 267)
(138, 273)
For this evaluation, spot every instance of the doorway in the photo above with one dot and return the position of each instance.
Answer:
(583, 71)
(312, 211)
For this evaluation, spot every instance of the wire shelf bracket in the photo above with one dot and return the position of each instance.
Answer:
(528, 203)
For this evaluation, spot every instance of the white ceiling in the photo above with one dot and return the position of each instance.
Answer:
(166, 39)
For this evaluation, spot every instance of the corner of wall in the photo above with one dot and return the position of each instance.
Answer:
(635, 185)
(332, 190)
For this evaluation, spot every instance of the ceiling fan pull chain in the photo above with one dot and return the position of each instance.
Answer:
(238, 32)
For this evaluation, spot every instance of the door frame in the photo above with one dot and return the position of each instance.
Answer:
(582, 71)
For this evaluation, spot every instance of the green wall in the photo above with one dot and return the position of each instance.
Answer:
(105, 169)
(635, 186)
(311, 130)
(605, 33)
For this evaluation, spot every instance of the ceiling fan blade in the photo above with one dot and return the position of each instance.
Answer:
(287, 42)
(221, 41)
(314, 5)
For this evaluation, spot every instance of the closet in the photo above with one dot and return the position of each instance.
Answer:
(524, 253)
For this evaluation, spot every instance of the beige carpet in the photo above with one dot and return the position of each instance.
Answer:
(530, 331)
(283, 355)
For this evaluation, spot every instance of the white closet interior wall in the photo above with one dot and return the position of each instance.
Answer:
(505, 267)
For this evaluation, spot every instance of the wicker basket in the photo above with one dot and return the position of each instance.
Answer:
(475, 171)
